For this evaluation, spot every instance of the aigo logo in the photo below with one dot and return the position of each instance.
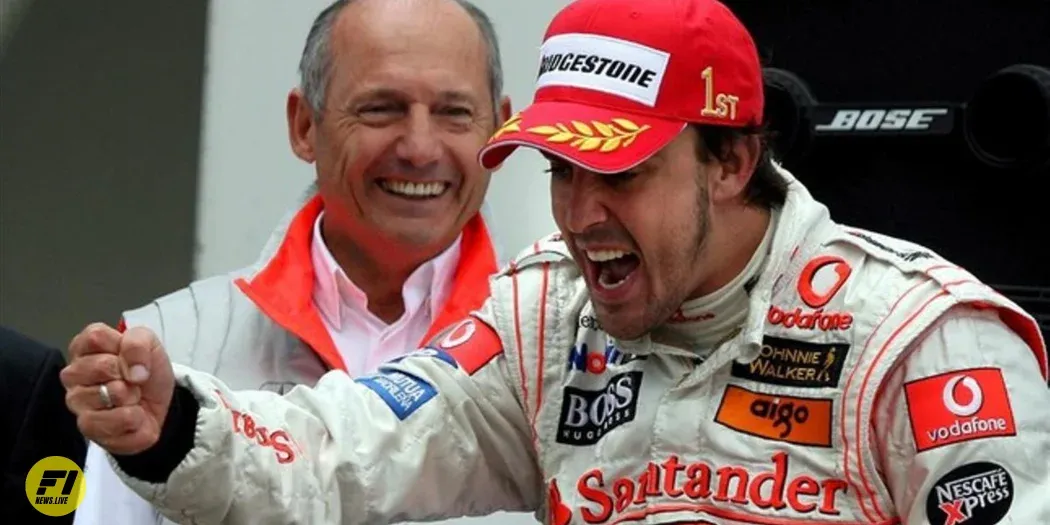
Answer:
(818, 283)
(802, 421)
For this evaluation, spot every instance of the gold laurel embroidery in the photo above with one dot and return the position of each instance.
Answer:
(511, 125)
(601, 136)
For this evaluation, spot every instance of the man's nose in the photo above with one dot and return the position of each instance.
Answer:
(586, 202)
(420, 144)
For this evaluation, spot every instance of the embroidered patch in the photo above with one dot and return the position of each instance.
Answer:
(787, 362)
(959, 406)
(470, 343)
(979, 492)
(404, 393)
(798, 420)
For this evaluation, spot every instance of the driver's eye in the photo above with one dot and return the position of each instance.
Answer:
(559, 170)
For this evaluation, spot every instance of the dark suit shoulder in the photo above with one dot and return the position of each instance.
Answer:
(35, 422)
(22, 357)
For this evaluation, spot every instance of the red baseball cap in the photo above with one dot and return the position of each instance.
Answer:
(619, 79)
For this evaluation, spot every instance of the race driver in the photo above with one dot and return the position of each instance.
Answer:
(700, 343)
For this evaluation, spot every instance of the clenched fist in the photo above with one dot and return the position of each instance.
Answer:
(119, 385)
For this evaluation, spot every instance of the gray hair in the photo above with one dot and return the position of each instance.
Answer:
(315, 65)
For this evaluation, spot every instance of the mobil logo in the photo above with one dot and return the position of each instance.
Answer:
(595, 362)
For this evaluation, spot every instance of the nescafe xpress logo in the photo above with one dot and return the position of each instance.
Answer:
(975, 493)
(818, 283)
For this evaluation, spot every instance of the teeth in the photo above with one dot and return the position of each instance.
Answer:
(605, 255)
(414, 189)
(603, 280)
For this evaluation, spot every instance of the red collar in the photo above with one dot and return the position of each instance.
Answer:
(283, 289)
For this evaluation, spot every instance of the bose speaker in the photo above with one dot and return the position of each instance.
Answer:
(928, 121)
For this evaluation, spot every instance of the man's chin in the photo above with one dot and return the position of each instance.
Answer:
(621, 324)
(415, 233)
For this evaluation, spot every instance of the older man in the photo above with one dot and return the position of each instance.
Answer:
(388, 247)
(700, 343)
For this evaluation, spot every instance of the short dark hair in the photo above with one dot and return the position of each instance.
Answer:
(767, 188)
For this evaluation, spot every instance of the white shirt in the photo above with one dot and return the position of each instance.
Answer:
(364, 341)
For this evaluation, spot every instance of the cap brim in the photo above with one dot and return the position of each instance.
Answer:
(598, 139)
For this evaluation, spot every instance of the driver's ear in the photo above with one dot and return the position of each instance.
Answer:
(730, 182)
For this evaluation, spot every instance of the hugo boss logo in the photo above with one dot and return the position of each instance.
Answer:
(245, 425)
(974, 493)
(588, 415)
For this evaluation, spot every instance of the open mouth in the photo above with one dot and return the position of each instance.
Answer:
(414, 190)
(612, 268)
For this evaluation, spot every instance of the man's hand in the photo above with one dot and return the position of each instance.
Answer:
(126, 416)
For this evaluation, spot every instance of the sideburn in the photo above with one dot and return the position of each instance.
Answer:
(703, 212)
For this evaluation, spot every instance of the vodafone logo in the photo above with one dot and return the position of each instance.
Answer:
(951, 400)
(458, 335)
(958, 406)
(821, 279)
(818, 283)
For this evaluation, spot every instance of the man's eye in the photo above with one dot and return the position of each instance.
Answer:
(457, 112)
(621, 177)
(558, 171)
(377, 109)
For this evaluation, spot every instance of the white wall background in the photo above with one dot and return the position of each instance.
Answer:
(249, 177)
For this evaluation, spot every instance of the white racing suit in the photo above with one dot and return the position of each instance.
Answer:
(873, 382)
(258, 328)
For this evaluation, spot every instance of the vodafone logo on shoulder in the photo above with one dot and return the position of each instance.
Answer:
(974, 392)
(459, 334)
(959, 406)
(469, 344)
